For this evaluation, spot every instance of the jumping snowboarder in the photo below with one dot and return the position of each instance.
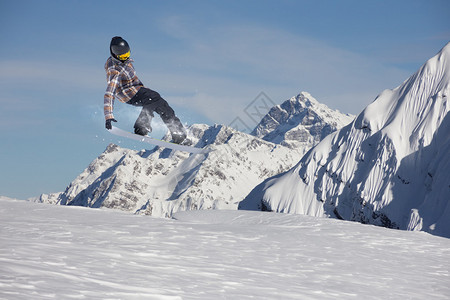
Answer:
(124, 85)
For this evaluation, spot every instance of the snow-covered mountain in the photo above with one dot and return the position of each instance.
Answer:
(300, 122)
(389, 167)
(160, 182)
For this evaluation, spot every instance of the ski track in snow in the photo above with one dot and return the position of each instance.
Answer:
(60, 252)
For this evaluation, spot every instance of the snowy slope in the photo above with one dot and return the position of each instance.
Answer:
(160, 182)
(60, 252)
(388, 167)
(300, 122)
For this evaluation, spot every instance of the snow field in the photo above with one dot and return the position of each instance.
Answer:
(64, 252)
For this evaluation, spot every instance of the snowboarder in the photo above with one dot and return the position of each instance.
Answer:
(124, 85)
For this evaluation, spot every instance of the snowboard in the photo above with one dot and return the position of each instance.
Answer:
(157, 142)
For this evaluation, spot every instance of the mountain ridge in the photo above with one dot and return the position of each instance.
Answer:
(387, 167)
(160, 182)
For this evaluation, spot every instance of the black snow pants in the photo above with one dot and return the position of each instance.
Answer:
(151, 101)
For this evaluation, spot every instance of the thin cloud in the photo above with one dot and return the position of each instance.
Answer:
(17, 72)
(217, 71)
(221, 69)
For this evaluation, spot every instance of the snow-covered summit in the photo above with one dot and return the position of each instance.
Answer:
(388, 167)
(300, 122)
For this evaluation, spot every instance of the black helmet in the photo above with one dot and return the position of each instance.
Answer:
(119, 48)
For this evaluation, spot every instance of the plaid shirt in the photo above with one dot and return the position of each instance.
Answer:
(122, 84)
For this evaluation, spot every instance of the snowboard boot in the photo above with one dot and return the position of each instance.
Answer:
(178, 137)
(172, 122)
(142, 125)
(142, 130)
(176, 130)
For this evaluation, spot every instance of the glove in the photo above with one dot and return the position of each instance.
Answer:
(108, 123)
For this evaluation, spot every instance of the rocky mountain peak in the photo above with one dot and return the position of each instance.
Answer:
(300, 122)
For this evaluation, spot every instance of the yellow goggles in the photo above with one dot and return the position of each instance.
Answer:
(124, 56)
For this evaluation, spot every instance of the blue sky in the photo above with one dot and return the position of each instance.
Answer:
(208, 59)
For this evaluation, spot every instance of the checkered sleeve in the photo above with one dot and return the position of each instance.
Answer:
(113, 81)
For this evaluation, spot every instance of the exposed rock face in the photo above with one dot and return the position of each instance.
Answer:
(300, 122)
